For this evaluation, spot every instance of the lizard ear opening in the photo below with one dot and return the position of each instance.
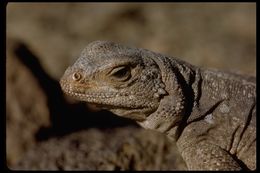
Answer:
(121, 73)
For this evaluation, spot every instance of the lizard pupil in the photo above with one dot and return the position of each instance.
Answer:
(76, 76)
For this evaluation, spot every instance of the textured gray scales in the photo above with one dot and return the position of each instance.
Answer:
(209, 113)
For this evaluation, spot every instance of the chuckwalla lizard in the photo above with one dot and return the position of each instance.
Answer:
(209, 113)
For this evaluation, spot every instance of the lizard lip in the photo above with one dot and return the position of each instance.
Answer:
(94, 98)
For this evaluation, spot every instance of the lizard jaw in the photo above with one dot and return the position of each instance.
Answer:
(135, 112)
(104, 100)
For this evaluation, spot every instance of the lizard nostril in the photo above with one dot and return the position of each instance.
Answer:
(76, 76)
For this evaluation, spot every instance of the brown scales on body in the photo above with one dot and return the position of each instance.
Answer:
(210, 114)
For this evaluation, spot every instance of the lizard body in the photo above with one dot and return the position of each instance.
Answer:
(209, 113)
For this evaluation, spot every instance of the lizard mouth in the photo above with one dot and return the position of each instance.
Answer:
(109, 101)
(87, 96)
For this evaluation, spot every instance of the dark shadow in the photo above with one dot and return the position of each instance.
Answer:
(241, 164)
(65, 118)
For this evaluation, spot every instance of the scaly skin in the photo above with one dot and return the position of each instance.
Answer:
(210, 114)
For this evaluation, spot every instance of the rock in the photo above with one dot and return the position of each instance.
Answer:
(127, 148)
(26, 107)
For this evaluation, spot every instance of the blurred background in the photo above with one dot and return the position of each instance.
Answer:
(46, 130)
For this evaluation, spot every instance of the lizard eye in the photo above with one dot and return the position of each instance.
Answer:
(121, 73)
(76, 76)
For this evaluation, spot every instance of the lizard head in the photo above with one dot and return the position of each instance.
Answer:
(116, 78)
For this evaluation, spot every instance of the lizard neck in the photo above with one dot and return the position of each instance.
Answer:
(184, 102)
(179, 78)
(202, 103)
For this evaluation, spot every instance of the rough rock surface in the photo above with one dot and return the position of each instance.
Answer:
(118, 149)
(26, 107)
